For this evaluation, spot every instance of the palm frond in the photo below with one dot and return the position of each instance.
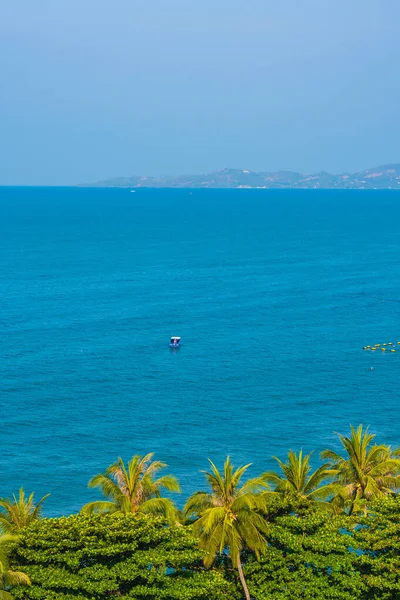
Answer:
(255, 485)
(160, 506)
(37, 511)
(130, 486)
(229, 515)
(107, 486)
(168, 482)
(19, 511)
(366, 471)
(99, 507)
(315, 479)
(16, 578)
(332, 456)
(197, 503)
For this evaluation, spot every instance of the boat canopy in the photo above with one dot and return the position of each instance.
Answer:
(175, 337)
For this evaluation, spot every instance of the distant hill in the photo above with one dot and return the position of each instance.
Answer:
(385, 177)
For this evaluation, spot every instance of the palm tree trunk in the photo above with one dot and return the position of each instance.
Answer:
(242, 579)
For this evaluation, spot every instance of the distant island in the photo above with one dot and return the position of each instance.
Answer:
(384, 177)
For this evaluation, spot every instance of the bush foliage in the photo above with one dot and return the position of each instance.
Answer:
(311, 555)
(125, 556)
(329, 534)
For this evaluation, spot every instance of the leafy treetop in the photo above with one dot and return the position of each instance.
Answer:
(127, 556)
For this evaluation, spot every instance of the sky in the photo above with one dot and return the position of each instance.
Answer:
(91, 89)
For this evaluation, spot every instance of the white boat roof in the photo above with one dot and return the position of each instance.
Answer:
(175, 337)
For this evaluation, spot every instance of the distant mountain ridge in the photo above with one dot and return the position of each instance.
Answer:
(384, 177)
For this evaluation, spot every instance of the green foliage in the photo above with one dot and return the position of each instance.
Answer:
(278, 543)
(378, 536)
(19, 512)
(134, 488)
(125, 556)
(8, 577)
(367, 471)
(229, 516)
(298, 480)
(308, 557)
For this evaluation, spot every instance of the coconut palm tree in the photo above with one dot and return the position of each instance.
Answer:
(19, 512)
(134, 488)
(298, 480)
(365, 472)
(9, 578)
(228, 516)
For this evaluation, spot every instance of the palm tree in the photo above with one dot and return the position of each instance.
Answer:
(9, 578)
(228, 516)
(298, 480)
(19, 512)
(134, 488)
(367, 470)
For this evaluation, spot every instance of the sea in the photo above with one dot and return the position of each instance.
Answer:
(274, 293)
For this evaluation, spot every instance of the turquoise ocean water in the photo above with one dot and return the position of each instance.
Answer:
(273, 292)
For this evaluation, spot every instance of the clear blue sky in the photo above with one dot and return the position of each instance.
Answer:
(96, 88)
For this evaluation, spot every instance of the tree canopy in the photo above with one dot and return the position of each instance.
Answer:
(378, 541)
(134, 488)
(308, 557)
(18, 512)
(367, 471)
(127, 556)
(239, 538)
(298, 480)
(9, 577)
(229, 515)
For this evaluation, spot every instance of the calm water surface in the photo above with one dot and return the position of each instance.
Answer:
(273, 293)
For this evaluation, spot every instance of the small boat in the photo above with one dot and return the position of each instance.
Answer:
(175, 342)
